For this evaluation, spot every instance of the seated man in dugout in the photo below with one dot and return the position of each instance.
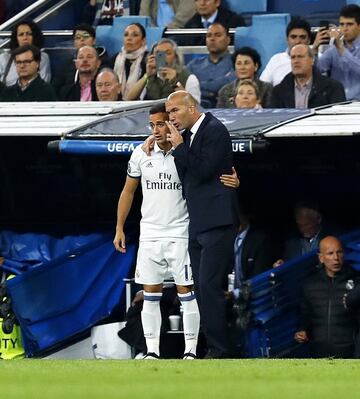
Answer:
(309, 232)
(325, 323)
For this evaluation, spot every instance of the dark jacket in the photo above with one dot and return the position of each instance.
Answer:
(71, 91)
(324, 91)
(157, 88)
(38, 90)
(257, 253)
(210, 203)
(353, 303)
(331, 327)
(298, 246)
(226, 17)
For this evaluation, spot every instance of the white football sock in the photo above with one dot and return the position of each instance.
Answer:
(151, 321)
(191, 321)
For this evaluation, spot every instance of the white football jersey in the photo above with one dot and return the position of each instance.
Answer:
(164, 212)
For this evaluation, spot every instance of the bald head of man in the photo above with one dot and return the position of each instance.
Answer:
(302, 61)
(331, 255)
(182, 109)
(107, 85)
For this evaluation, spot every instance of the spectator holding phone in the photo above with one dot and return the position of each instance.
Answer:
(164, 75)
(341, 61)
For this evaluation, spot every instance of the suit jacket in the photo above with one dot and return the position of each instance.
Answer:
(38, 90)
(71, 91)
(294, 246)
(210, 203)
(226, 17)
(257, 253)
(353, 303)
(324, 91)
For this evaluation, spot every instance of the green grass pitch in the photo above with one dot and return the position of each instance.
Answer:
(174, 379)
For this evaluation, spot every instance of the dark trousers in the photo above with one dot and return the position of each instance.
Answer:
(211, 255)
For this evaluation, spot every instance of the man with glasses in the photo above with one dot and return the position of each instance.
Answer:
(30, 86)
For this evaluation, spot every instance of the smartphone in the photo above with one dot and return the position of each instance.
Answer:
(324, 24)
(160, 60)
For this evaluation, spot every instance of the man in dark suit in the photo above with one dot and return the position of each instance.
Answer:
(207, 13)
(309, 233)
(304, 86)
(256, 250)
(201, 155)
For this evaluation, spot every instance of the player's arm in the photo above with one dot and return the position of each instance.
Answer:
(124, 205)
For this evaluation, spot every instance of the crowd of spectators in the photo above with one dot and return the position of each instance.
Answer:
(300, 77)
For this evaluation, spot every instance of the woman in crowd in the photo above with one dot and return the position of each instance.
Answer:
(247, 95)
(247, 63)
(24, 32)
(130, 63)
(161, 80)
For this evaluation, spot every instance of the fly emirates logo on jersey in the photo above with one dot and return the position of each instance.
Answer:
(164, 182)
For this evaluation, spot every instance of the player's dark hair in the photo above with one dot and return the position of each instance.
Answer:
(158, 109)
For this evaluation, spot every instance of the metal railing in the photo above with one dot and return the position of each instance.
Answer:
(30, 10)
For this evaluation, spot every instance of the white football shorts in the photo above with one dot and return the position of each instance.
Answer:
(159, 260)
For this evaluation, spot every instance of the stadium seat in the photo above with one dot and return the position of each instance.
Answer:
(131, 19)
(247, 6)
(115, 36)
(102, 33)
(267, 35)
(115, 39)
(153, 35)
(305, 7)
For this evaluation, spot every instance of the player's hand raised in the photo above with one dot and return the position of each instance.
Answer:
(174, 136)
